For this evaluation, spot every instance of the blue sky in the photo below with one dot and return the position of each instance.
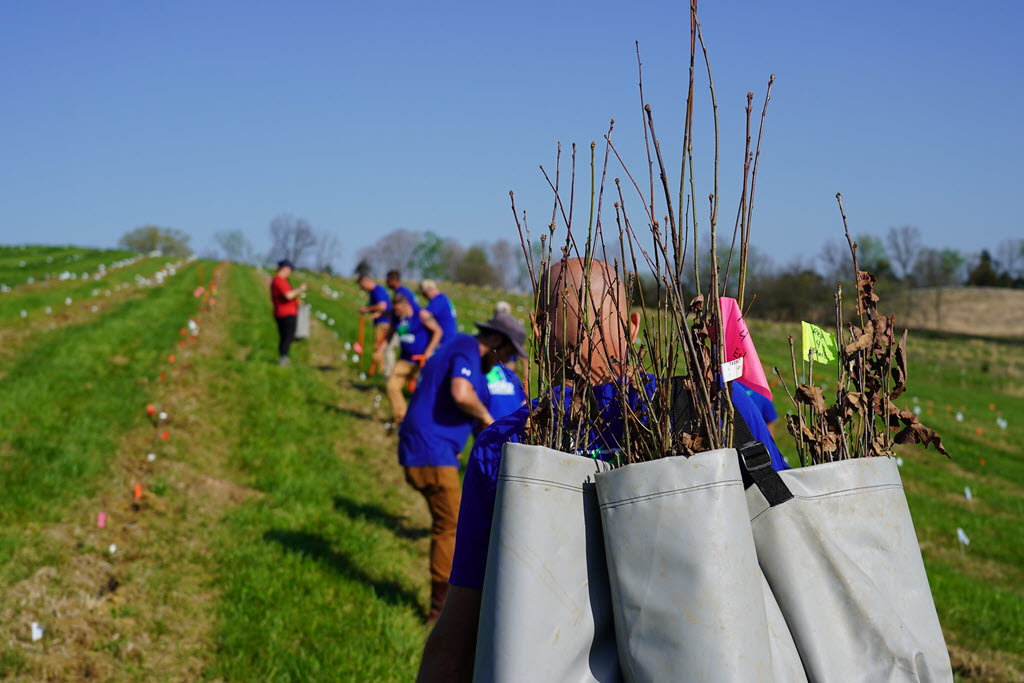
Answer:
(362, 118)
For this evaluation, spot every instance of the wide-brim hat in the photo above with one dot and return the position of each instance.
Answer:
(512, 329)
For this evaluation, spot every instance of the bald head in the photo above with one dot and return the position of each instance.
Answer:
(586, 314)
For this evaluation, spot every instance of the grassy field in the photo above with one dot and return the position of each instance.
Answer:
(274, 537)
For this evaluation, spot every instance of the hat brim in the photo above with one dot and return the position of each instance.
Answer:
(518, 347)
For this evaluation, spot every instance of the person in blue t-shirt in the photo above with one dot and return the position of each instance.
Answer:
(449, 652)
(441, 415)
(764, 406)
(378, 307)
(418, 337)
(504, 391)
(442, 308)
(504, 388)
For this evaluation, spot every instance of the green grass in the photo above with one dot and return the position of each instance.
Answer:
(979, 591)
(20, 264)
(316, 569)
(69, 395)
(315, 578)
(34, 299)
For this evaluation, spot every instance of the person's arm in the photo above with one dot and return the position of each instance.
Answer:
(295, 292)
(435, 333)
(378, 352)
(466, 398)
(379, 308)
(451, 647)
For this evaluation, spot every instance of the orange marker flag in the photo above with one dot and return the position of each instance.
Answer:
(165, 436)
(151, 409)
(170, 359)
(138, 491)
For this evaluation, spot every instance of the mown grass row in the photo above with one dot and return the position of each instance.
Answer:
(20, 265)
(54, 294)
(323, 577)
(67, 398)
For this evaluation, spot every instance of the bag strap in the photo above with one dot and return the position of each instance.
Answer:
(755, 460)
(756, 465)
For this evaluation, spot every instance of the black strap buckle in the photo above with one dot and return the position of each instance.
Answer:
(755, 456)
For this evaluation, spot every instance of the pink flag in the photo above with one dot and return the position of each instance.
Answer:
(739, 344)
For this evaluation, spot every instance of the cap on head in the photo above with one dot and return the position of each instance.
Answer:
(502, 307)
(427, 285)
(510, 328)
(285, 263)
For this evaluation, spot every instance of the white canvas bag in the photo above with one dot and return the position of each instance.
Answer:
(843, 560)
(688, 596)
(546, 612)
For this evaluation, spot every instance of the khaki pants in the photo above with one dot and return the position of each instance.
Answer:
(404, 371)
(440, 487)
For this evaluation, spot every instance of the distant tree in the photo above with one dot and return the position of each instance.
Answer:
(938, 269)
(291, 239)
(363, 268)
(168, 241)
(795, 292)
(474, 268)
(984, 274)
(430, 257)
(872, 257)
(1010, 258)
(836, 264)
(327, 249)
(235, 245)
(904, 245)
(394, 251)
(507, 259)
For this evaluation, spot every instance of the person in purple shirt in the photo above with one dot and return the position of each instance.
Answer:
(449, 651)
(442, 308)
(442, 412)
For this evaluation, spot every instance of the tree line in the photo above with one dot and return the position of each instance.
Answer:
(901, 261)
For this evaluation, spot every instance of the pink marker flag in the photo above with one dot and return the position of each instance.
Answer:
(739, 344)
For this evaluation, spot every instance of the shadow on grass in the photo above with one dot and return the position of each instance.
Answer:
(360, 386)
(327, 368)
(396, 524)
(318, 548)
(331, 408)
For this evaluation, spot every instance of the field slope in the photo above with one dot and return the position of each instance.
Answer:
(273, 538)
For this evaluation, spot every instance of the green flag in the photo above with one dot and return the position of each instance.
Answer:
(822, 341)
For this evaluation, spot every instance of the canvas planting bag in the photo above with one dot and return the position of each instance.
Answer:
(843, 561)
(546, 611)
(689, 600)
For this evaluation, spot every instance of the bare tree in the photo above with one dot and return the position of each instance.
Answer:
(327, 249)
(836, 265)
(292, 238)
(1010, 257)
(394, 251)
(904, 246)
(506, 261)
(235, 245)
